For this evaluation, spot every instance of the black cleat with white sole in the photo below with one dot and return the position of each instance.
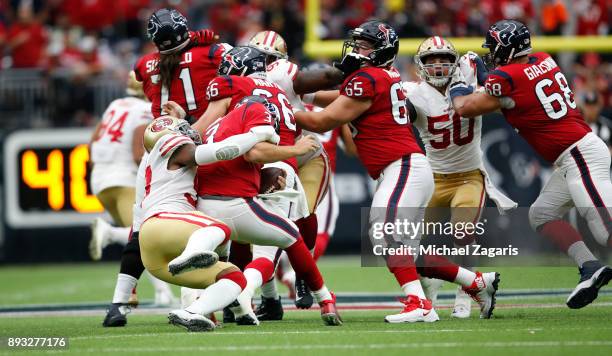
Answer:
(116, 315)
(593, 276)
(303, 298)
(270, 309)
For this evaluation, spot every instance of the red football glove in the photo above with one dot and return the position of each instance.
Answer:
(203, 37)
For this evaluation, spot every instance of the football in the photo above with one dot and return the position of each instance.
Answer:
(269, 179)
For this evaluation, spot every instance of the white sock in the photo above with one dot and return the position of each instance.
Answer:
(216, 297)
(205, 239)
(269, 290)
(254, 281)
(580, 253)
(414, 288)
(123, 288)
(118, 235)
(322, 294)
(465, 277)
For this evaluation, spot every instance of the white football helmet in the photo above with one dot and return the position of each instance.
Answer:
(436, 74)
(271, 43)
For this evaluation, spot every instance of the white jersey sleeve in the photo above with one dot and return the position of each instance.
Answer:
(469, 70)
(167, 190)
(283, 73)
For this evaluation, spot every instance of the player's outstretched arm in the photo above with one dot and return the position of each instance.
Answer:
(314, 80)
(322, 98)
(347, 139)
(265, 152)
(475, 104)
(228, 149)
(339, 112)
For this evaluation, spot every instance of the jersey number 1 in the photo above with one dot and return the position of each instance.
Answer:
(185, 78)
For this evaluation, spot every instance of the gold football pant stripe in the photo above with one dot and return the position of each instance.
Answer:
(314, 176)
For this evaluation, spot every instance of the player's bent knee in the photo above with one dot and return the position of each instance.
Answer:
(537, 218)
(233, 274)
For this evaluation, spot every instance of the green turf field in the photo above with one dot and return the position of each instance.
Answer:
(521, 325)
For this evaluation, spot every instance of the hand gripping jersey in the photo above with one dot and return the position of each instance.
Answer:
(197, 67)
(235, 87)
(167, 190)
(452, 142)
(235, 178)
(383, 133)
(544, 111)
(111, 151)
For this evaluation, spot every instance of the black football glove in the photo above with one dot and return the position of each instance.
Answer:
(350, 63)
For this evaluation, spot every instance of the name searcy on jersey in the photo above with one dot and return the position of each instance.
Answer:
(537, 70)
(154, 63)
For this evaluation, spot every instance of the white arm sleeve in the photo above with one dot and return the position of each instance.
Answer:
(231, 147)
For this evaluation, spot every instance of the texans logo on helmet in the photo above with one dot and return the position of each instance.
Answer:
(177, 19)
(152, 28)
(160, 124)
(387, 35)
(504, 35)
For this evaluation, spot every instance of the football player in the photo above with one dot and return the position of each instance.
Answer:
(184, 60)
(231, 189)
(313, 170)
(373, 103)
(535, 98)
(452, 144)
(116, 150)
(180, 245)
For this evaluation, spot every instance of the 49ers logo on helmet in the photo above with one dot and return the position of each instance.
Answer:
(160, 124)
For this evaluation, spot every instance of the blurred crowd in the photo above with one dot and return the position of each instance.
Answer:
(72, 43)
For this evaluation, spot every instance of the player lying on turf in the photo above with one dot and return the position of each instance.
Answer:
(373, 103)
(535, 98)
(453, 150)
(180, 245)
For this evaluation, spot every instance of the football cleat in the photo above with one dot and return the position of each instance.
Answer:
(270, 309)
(483, 291)
(189, 261)
(463, 305)
(99, 231)
(415, 310)
(228, 315)
(190, 321)
(329, 312)
(116, 315)
(593, 276)
(303, 298)
(247, 319)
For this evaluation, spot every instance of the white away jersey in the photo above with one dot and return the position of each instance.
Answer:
(111, 151)
(282, 73)
(452, 142)
(137, 217)
(167, 190)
